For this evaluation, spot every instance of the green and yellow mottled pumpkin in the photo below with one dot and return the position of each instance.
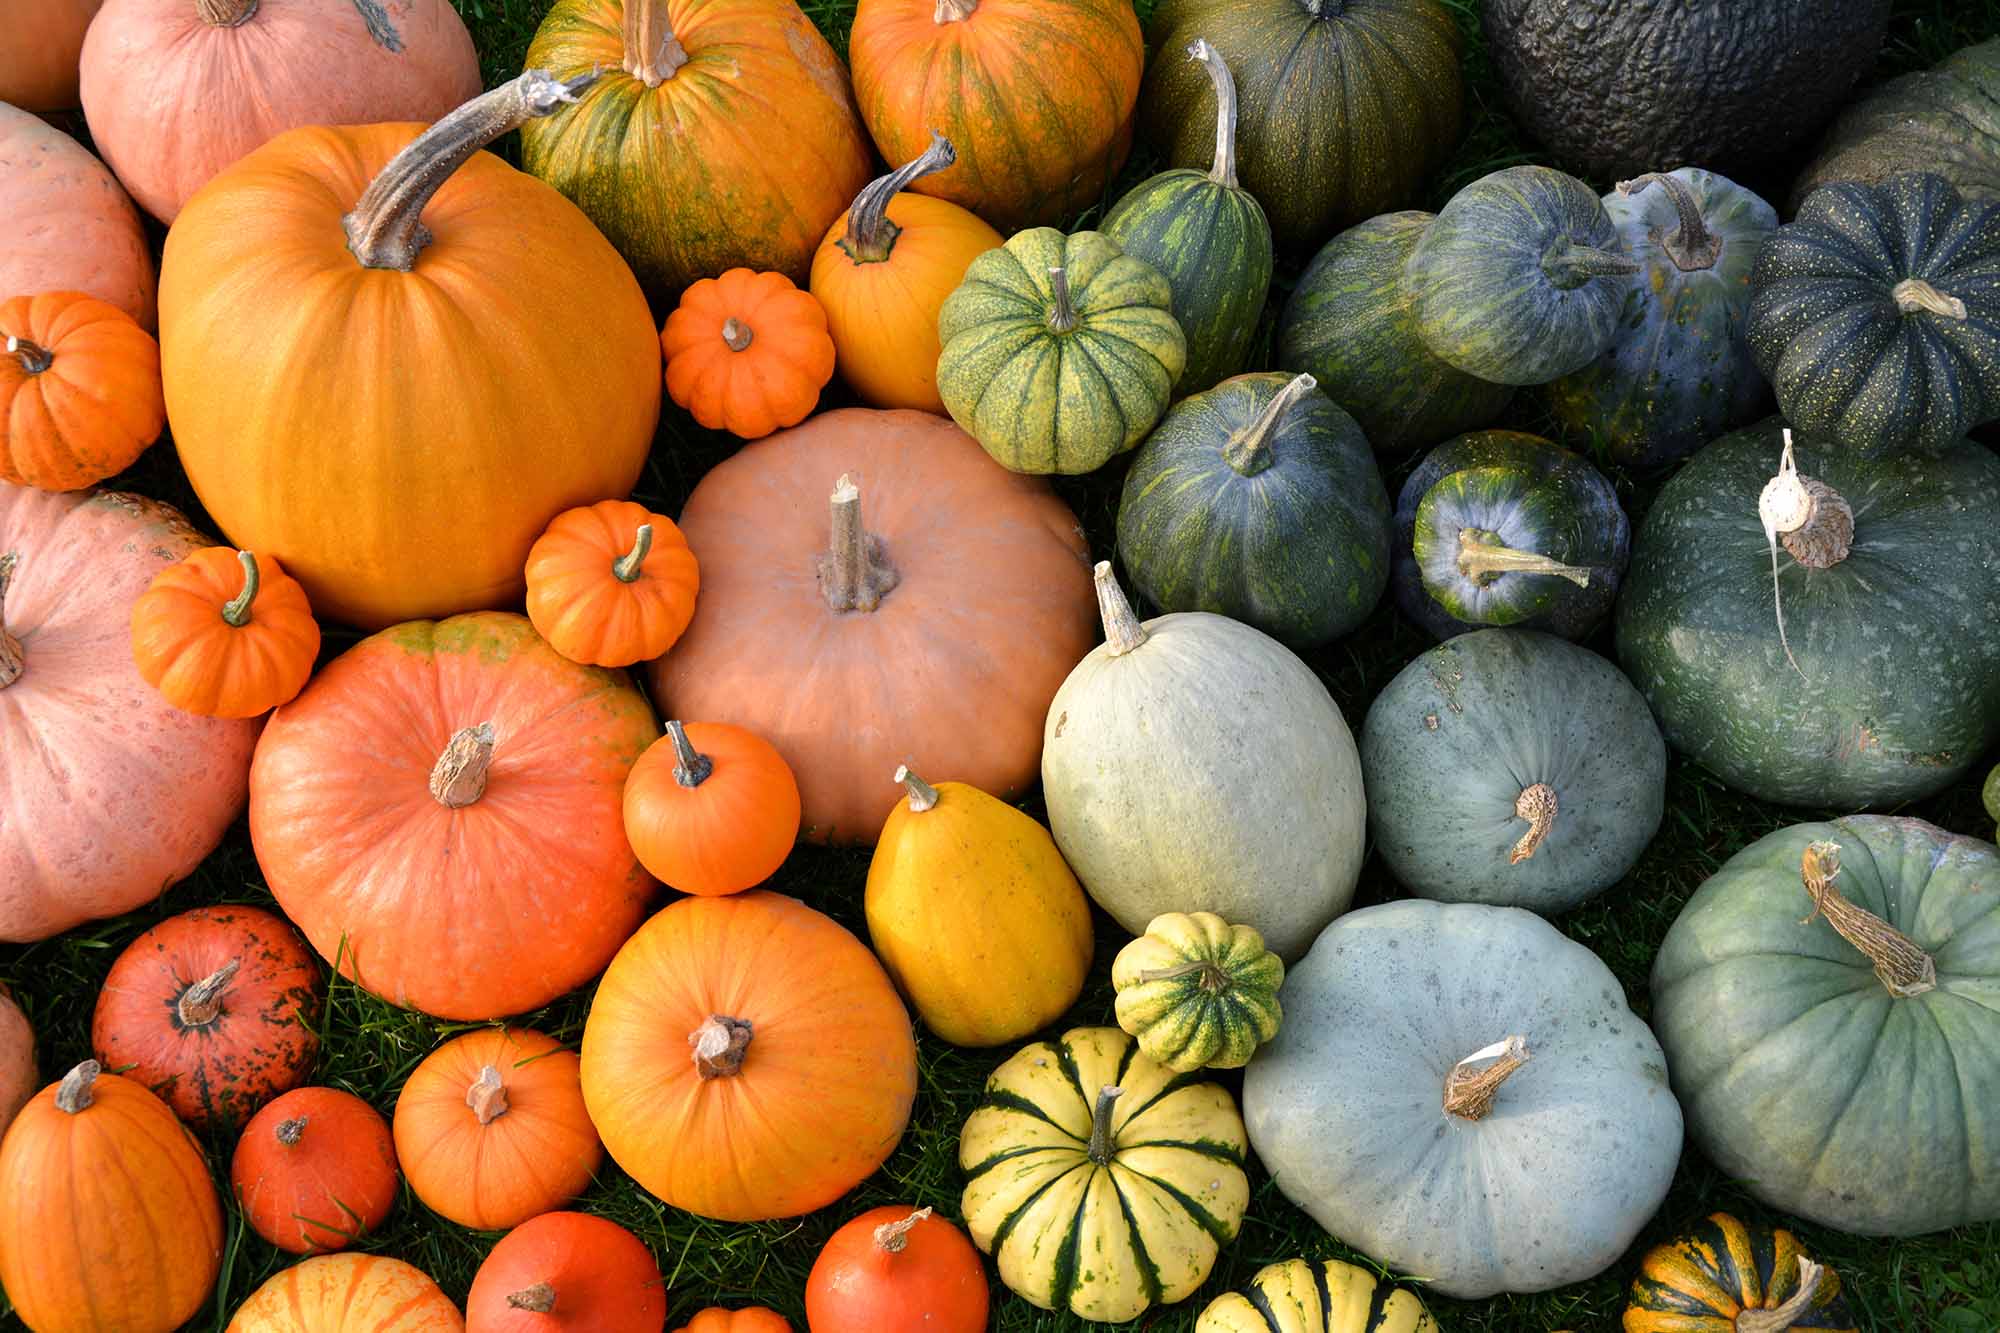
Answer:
(1198, 992)
(1724, 1269)
(1991, 798)
(1298, 1296)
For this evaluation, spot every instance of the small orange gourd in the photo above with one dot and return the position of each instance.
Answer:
(611, 584)
(747, 352)
(711, 809)
(225, 634)
(718, 1320)
(894, 1270)
(80, 394)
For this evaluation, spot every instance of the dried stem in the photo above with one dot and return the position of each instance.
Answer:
(1902, 967)
(1814, 522)
(855, 573)
(736, 335)
(1103, 1143)
(1250, 452)
(870, 235)
(1690, 245)
(12, 657)
(236, 611)
(289, 1132)
(1786, 1316)
(720, 1045)
(1914, 294)
(1122, 630)
(691, 766)
(1537, 805)
(923, 796)
(1213, 978)
(487, 1096)
(1483, 558)
(74, 1093)
(1469, 1093)
(201, 1003)
(954, 11)
(894, 1237)
(225, 13)
(1224, 170)
(652, 52)
(35, 358)
(459, 777)
(538, 1299)
(1062, 314)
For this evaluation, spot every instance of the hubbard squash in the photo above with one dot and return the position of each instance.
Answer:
(348, 1293)
(1198, 992)
(223, 634)
(20, 1076)
(567, 1273)
(1945, 119)
(315, 1170)
(71, 227)
(79, 390)
(38, 65)
(894, 1270)
(1728, 1276)
(1329, 1297)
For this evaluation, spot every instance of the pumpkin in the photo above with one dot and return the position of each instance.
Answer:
(973, 578)
(38, 64)
(19, 1074)
(1100, 1182)
(894, 1270)
(348, 1293)
(1328, 1297)
(1239, 794)
(1512, 768)
(711, 809)
(1797, 703)
(1450, 1084)
(216, 1010)
(1501, 528)
(1258, 500)
(882, 272)
(437, 785)
(1679, 372)
(567, 1271)
(975, 915)
(1349, 324)
(722, 134)
(746, 1058)
(314, 1170)
(1729, 1276)
(222, 634)
(1346, 106)
(1059, 351)
(1037, 98)
(74, 229)
(1197, 992)
(757, 1319)
(747, 353)
(149, 790)
(1990, 796)
(1520, 279)
(1219, 285)
(79, 391)
(1939, 118)
(399, 452)
(1876, 314)
(177, 91)
(108, 1219)
(611, 584)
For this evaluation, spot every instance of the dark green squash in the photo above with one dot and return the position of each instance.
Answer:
(1945, 120)
(1259, 500)
(1208, 236)
(1349, 325)
(1702, 1280)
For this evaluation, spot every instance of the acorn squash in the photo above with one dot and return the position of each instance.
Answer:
(1722, 1271)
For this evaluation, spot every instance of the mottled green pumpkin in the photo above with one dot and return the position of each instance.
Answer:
(1348, 323)
(1059, 351)
(1197, 992)
(1259, 500)
(1945, 119)
(1702, 1280)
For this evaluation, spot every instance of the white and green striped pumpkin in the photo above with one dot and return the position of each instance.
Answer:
(1198, 992)
(1302, 1297)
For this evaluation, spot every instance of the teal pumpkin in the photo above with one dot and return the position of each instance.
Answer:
(1208, 236)
(1349, 325)
(1059, 352)
(1520, 279)
(1259, 500)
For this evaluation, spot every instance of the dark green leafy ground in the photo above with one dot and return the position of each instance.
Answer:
(1945, 1282)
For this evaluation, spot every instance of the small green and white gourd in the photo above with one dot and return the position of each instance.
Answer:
(1197, 992)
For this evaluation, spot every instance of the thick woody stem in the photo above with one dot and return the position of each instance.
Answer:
(35, 358)
(12, 660)
(1062, 315)
(73, 1094)
(1122, 630)
(487, 1096)
(1250, 452)
(1537, 805)
(923, 796)
(459, 777)
(736, 335)
(652, 52)
(626, 568)
(855, 573)
(1224, 170)
(1914, 294)
(1786, 1316)
(1903, 968)
(236, 611)
(201, 1003)
(289, 1132)
(1569, 265)
(953, 11)
(894, 1237)
(1691, 245)
(1483, 557)
(1102, 1144)
(691, 766)
(225, 13)
(1468, 1092)
(870, 235)
(720, 1044)
(538, 1299)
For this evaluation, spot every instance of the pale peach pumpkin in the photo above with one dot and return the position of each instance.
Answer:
(38, 59)
(70, 227)
(20, 1076)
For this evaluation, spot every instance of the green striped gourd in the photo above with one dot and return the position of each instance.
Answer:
(1197, 992)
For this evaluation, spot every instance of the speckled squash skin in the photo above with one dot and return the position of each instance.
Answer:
(1458, 737)
(1803, 1076)
(1346, 1106)
(1329, 1297)
(1899, 643)
(1197, 992)
(1945, 119)
(1700, 1281)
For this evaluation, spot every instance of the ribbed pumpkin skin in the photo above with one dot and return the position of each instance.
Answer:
(1697, 634)
(1197, 992)
(348, 1293)
(185, 647)
(93, 409)
(82, 233)
(38, 65)
(1329, 1297)
(1945, 119)
(1700, 1281)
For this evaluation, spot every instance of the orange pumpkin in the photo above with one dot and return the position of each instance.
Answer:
(894, 1270)
(19, 1074)
(315, 1170)
(611, 584)
(79, 390)
(348, 1293)
(747, 353)
(436, 787)
(711, 809)
(567, 1273)
(948, 606)
(757, 1319)
(223, 634)
(746, 1058)
(84, 235)
(391, 359)
(491, 1129)
(38, 61)
(108, 1219)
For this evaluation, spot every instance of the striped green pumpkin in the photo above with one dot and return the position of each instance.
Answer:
(1197, 992)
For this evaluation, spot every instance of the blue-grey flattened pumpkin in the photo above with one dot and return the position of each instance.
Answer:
(1259, 500)
(1299, 1296)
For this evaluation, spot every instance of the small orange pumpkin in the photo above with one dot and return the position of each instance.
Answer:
(567, 1273)
(894, 1270)
(80, 394)
(711, 809)
(715, 1319)
(611, 584)
(315, 1170)
(747, 352)
(224, 634)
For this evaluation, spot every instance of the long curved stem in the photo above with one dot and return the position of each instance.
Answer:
(1250, 453)
(1691, 245)
(1786, 1316)
(652, 52)
(1903, 968)
(1483, 557)
(1537, 805)
(870, 235)
(1224, 170)
(236, 611)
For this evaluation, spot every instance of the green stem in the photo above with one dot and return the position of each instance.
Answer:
(236, 611)
(870, 235)
(691, 766)
(1691, 245)
(1250, 452)
(1482, 557)
(1062, 315)
(626, 568)
(1103, 1145)
(1569, 265)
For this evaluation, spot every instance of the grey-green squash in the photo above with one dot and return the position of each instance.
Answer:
(1299, 1296)
(1945, 119)
(1197, 992)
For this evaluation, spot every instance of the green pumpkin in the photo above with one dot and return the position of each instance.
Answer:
(1679, 372)
(1520, 279)
(1990, 797)
(1945, 119)
(1197, 992)
(1210, 239)
(1059, 351)
(1349, 325)
(1829, 1002)
(1502, 528)
(1259, 500)
(1882, 682)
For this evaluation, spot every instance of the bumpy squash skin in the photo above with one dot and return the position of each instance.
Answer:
(1945, 120)
(1699, 1282)
(1329, 1297)
(1197, 992)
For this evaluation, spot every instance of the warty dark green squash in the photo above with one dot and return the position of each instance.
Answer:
(1945, 120)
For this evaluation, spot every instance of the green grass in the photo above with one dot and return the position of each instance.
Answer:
(1949, 1281)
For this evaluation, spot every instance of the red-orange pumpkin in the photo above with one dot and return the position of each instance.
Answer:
(224, 634)
(19, 1074)
(315, 1170)
(348, 1293)
(79, 390)
(711, 809)
(70, 227)
(39, 58)
(611, 584)
(757, 1319)
(567, 1273)
(895, 1270)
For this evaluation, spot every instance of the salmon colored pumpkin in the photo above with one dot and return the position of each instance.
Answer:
(746, 1058)
(568, 1273)
(39, 58)
(348, 1293)
(440, 785)
(715, 1319)
(874, 587)
(711, 809)
(747, 353)
(70, 227)
(897, 1270)
(391, 359)
(315, 1170)
(611, 584)
(108, 1219)
(176, 90)
(224, 634)
(147, 790)
(20, 1076)
(79, 390)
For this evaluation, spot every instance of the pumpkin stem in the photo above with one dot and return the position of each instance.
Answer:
(870, 235)
(1122, 630)
(201, 1003)
(74, 1093)
(923, 796)
(1568, 265)
(736, 335)
(1102, 1143)
(1904, 969)
(1320, 9)
(855, 574)
(1483, 558)
(894, 1237)
(720, 1045)
(953, 11)
(1469, 1093)
(35, 358)
(652, 52)
(225, 13)
(236, 611)
(1062, 314)
(1914, 294)
(459, 778)
(291, 1131)
(1814, 522)
(487, 1096)
(538, 1299)
(386, 228)
(691, 766)
(626, 568)
(1213, 979)
(1787, 1315)
(1537, 805)
(1249, 452)
(11, 657)
(1224, 170)
(1691, 245)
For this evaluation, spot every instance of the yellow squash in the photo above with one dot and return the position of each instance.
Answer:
(1301, 1297)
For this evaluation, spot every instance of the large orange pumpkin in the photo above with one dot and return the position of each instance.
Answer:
(70, 227)
(79, 390)
(442, 810)
(348, 1293)
(19, 1074)
(38, 61)
(746, 1058)
(568, 1273)
(955, 598)
(394, 390)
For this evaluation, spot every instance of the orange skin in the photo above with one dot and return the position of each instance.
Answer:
(747, 353)
(602, 1279)
(718, 1320)
(581, 604)
(870, 1281)
(93, 405)
(731, 830)
(348, 1293)
(84, 235)
(38, 60)
(186, 648)
(332, 1184)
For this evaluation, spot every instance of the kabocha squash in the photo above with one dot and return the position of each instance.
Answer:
(800, 644)
(315, 1170)
(975, 915)
(38, 64)
(722, 134)
(711, 809)
(1197, 992)
(348, 1293)
(20, 1076)
(1100, 1182)
(1208, 237)
(1729, 1276)
(746, 1058)
(224, 634)
(1942, 120)
(897, 1270)
(611, 584)
(396, 471)
(570, 1272)
(1329, 1297)
(1059, 351)
(1448, 1093)
(747, 353)
(79, 391)
(1258, 500)
(715, 1319)
(437, 785)
(1037, 98)
(74, 229)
